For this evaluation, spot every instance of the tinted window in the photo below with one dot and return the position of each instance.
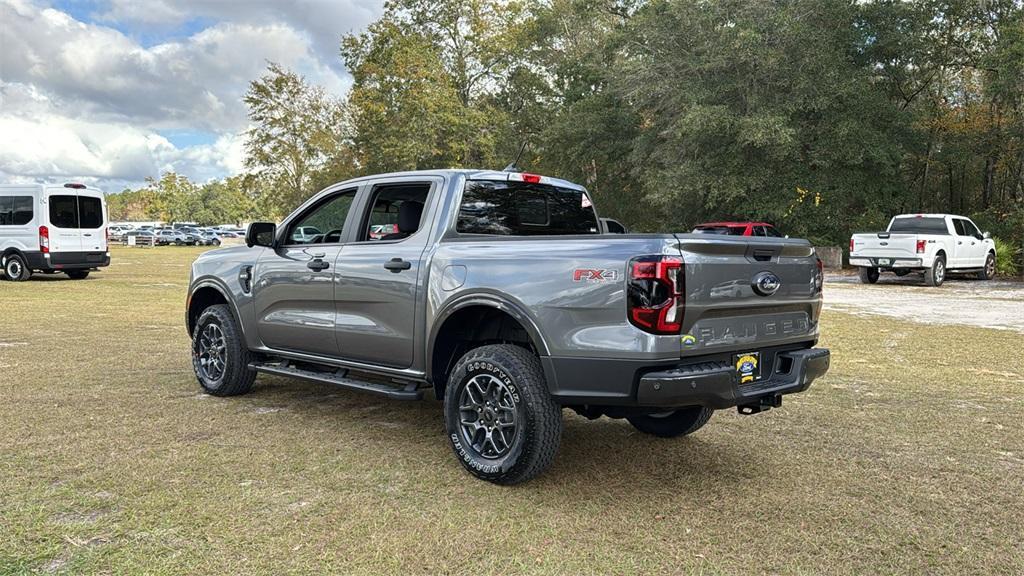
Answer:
(15, 210)
(64, 211)
(770, 231)
(521, 209)
(919, 226)
(969, 228)
(329, 217)
(90, 212)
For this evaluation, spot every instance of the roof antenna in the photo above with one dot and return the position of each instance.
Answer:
(512, 167)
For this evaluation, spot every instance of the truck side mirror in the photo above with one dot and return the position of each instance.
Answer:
(261, 234)
(986, 235)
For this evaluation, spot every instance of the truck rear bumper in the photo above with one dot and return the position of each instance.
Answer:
(703, 381)
(887, 262)
(716, 385)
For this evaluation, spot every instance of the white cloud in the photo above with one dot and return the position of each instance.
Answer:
(87, 100)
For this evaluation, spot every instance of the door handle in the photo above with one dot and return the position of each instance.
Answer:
(396, 265)
(959, 242)
(318, 265)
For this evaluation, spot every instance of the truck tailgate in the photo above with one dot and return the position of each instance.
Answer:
(885, 245)
(744, 291)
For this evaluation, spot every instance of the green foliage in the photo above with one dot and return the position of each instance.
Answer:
(297, 131)
(173, 198)
(1007, 258)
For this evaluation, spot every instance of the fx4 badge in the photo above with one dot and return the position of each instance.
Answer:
(594, 275)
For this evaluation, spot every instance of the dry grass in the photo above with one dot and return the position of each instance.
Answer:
(907, 458)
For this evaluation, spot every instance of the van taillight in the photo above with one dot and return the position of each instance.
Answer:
(920, 246)
(655, 295)
(44, 239)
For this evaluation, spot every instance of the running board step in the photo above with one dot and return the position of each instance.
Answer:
(409, 392)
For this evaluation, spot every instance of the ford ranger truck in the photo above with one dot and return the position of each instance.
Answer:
(929, 244)
(500, 293)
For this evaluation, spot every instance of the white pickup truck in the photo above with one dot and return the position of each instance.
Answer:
(933, 244)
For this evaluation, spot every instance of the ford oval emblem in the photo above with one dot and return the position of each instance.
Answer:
(766, 283)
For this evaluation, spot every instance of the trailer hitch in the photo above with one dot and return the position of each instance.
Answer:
(763, 404)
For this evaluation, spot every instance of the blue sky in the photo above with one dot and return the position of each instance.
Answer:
(114, 91)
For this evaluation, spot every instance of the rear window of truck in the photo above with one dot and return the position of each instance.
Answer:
(919, 226)
(521, 209)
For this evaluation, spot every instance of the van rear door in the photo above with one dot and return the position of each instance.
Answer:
(62, 213)
(76, 219)
(92, 220)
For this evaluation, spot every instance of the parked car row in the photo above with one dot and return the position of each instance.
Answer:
(178, 236)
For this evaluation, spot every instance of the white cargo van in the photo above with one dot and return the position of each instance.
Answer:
(52, 228)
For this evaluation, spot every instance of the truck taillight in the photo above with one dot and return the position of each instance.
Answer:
(851, 245)
(44, 239)
(920, 246)
(655, 296)
(819, 279)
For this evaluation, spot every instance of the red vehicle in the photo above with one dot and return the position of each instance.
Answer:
(738, 229)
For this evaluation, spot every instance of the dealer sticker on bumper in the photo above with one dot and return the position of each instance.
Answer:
(748, 366)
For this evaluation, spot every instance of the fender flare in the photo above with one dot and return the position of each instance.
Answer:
(218, 285)
(496, 301)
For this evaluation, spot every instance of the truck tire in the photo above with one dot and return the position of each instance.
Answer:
(868, 275)
(936, 275)
(219, 355)
(501, 421)
(989, 271)
(672, 424)
(15, 269)
(78, 274)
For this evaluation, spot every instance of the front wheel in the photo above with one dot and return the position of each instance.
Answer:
(935, 275)
(220, 357)
(868, 275)
(501, 421)
(989, 271)
(672, 424)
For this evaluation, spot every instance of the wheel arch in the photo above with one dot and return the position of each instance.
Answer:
(475, 321)
(205, 294)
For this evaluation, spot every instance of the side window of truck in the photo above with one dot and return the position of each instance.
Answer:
(958, 226)
(327, 218)
(497, 207)
(396, 211)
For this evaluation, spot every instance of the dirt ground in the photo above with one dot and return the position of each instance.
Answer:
(995, 304)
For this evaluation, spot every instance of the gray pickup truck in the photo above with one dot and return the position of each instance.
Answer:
(503, 293)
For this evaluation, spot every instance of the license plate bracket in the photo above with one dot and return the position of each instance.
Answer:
(748, 366)
(884, 261)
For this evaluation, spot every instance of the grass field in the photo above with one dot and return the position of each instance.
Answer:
(907, 458)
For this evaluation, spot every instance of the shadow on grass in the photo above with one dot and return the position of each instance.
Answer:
(608, 457)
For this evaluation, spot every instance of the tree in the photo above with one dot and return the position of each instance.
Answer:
(297, 131)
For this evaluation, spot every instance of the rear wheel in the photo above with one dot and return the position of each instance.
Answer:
(78, 274)
(936, 275)
(672, 424)
(15, 269)
(220, 357)
(868, 275)
(989, 271)
(501, 421)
